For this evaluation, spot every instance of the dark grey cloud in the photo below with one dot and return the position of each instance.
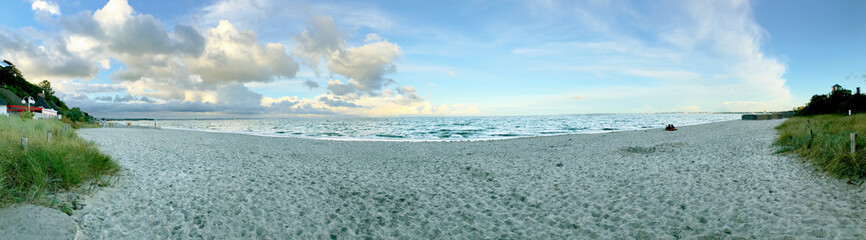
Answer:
(125, 98)
(191, 41)
(408, 95)
(340, 89)
(82, 23)
(138, 109)
(139, 35)
(311, 84)
(308, 109)
(336, 102)
(103, 98)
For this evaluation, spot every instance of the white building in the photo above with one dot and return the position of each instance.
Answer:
(3, 110)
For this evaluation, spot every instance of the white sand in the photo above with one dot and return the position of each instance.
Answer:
(715, 180)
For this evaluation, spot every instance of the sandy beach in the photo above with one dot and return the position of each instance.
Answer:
(719, 180)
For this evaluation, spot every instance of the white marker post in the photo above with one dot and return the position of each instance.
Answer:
(24, 144)
(50, 135)
(849, 112)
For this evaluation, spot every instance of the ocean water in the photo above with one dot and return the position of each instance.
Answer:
(439, 128)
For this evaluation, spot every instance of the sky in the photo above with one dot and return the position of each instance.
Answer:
(278, 58)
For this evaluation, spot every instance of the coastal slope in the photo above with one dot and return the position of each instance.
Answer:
(712, 180)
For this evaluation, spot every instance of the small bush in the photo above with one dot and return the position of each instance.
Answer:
(77, 125)
(26, 115)
(828, 145)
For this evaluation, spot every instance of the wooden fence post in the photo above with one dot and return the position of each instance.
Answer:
(50, 135)
(853, 143)
(24, 143)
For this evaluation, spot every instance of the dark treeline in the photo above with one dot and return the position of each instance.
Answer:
(838, 102)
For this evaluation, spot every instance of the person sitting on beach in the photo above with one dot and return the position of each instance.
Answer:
(670, 127)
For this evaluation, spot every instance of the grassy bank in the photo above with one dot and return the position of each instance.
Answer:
(829, 144)
(60, 163)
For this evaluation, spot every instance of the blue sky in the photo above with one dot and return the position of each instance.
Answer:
(394, 58)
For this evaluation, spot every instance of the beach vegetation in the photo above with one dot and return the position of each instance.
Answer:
(839, 101)
(825, 141)
(66, 209)
(55, 160)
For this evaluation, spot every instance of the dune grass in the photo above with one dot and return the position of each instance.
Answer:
(61, 163)
(828, 147)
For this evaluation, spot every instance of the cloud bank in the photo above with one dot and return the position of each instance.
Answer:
(188, 68)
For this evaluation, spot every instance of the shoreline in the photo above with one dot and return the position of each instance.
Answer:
(713, 180)
(353, 139)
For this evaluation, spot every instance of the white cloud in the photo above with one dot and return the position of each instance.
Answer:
(365, 66)
(50, 60)
(40, 6)
(195, 69)
(321, 39)
(183, 65)
(236, 56)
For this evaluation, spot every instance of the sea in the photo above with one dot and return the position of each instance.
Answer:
(437, 128)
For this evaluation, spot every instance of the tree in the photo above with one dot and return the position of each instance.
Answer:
(12, 80)
(46, 86)
(838, 102)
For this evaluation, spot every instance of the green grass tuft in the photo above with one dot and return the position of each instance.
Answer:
(61, 163)
(828, 147)
(66, 209)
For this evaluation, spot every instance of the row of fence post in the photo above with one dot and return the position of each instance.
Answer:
(50, 136)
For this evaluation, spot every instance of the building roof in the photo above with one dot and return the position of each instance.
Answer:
(42, 102)
(837, 85)
(9, 97)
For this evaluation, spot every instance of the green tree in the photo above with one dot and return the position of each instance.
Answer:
(46, 86)
(838, 102)
(74, 114)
